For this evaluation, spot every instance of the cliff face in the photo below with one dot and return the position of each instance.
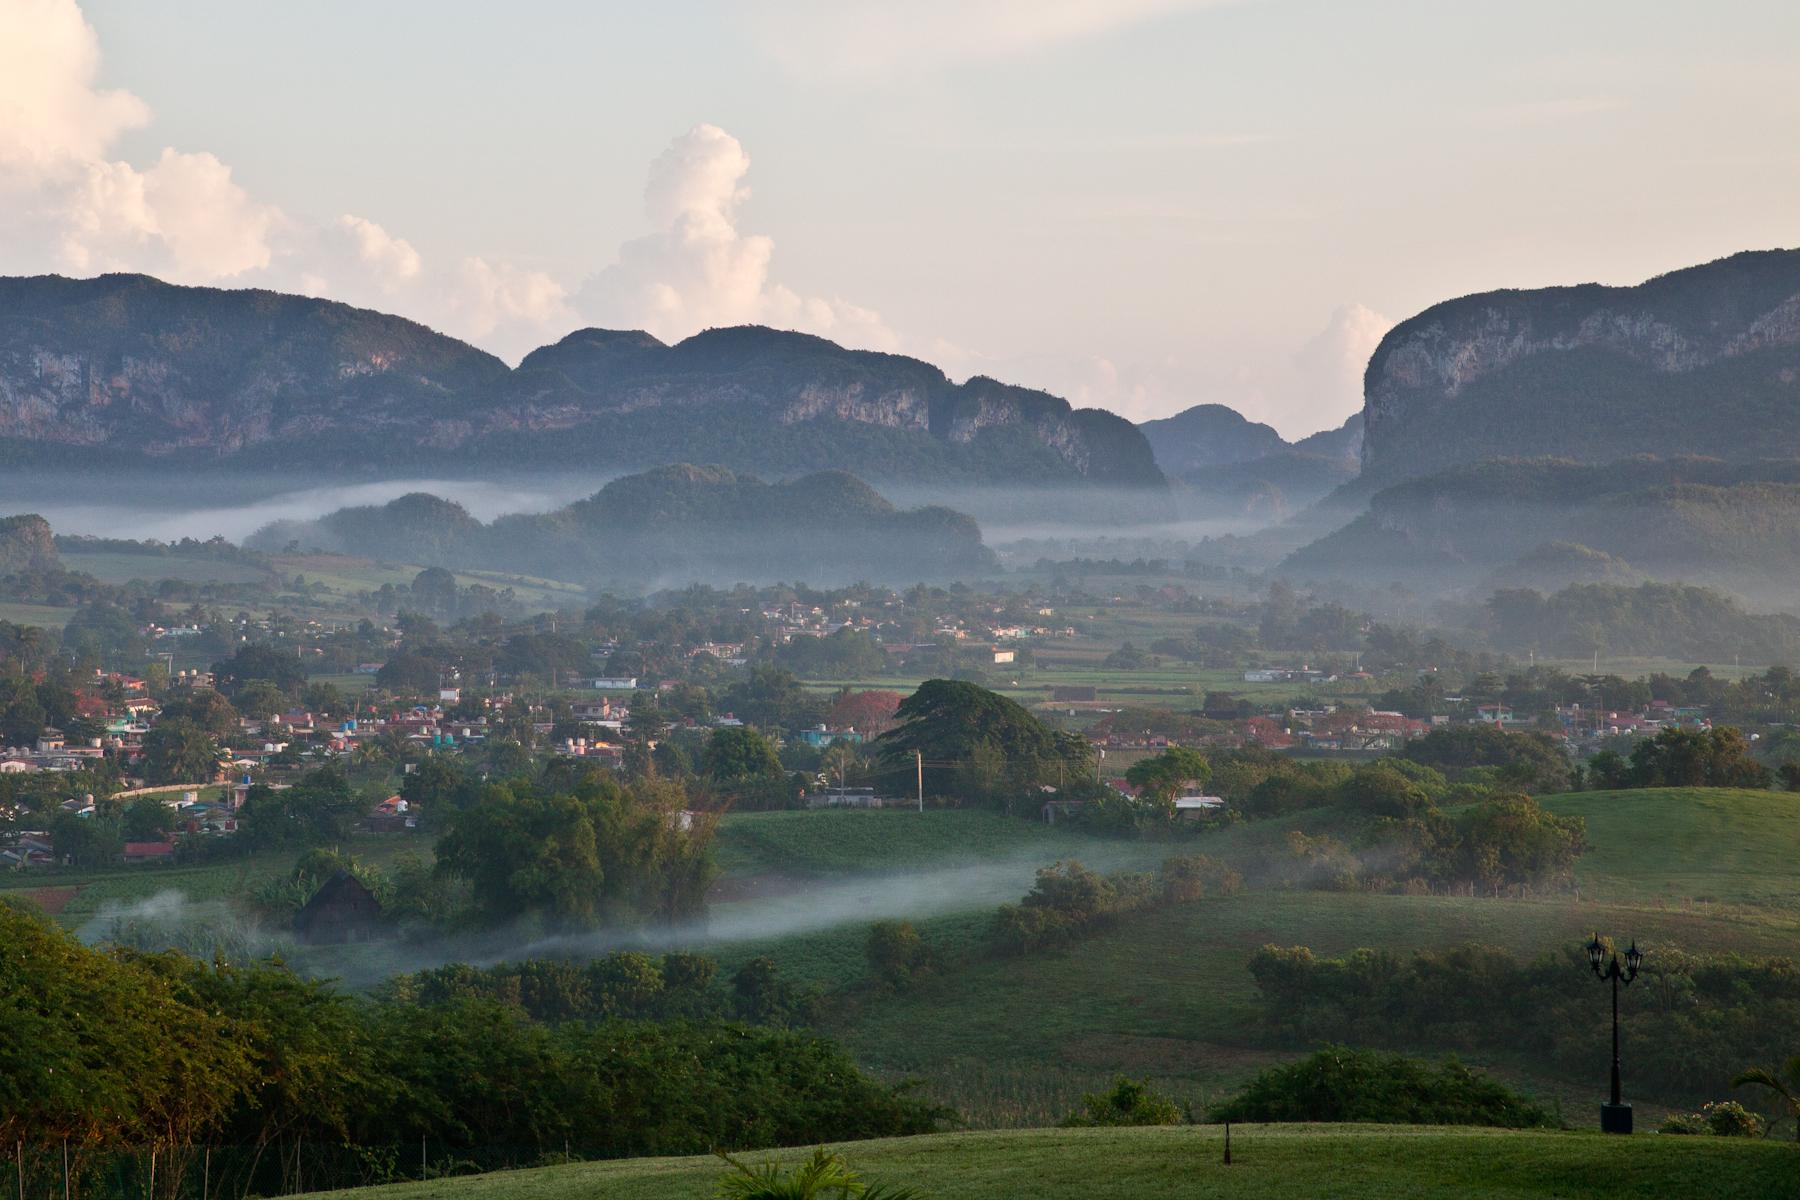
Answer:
(124, 360)
(145, 369)
(1704, 360)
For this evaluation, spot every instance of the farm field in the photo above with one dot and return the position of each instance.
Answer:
(113, 567)
(1277, 1162)
(1012, 1042)
(43, 615)
(346, 576)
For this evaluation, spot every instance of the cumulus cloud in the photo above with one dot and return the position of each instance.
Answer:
(53, 121)
(67, 205)
(697, 269)
(864, 39)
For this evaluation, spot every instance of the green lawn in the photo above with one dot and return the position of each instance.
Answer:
(1346, 1162)
(1662, 845)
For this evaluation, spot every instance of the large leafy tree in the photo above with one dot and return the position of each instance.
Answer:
(179, 751)
(1160, 778)
(976, 744)
(579, 858)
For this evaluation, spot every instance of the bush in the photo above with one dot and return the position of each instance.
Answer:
(1728, 1118)
(1339, 1084)
(897, 953)
(1721, 1118)
(1128, 1102)
(1190, 877)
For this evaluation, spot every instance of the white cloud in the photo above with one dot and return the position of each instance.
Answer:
(697, 269)
(52, 119)
(851, 40)
(66, 204)
(499, 297)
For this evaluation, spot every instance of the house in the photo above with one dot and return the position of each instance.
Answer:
(1002, 655)
(1193, 807)
(342, 910)
(144, 852)
(819, 737)
(616, 683)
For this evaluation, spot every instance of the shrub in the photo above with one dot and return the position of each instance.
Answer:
(1190, 877)
(896, 952)
(1728, 1118)
(1128, 1102)
(1339, 1084)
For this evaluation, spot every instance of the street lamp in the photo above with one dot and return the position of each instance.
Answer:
(1615, 1117)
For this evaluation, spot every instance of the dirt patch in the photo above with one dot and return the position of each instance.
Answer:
(51, 899)
(1163, 1055)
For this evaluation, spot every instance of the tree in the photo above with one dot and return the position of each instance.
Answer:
(205, 708)
(1786, 1090)
(738, 754)
(961, 729)
(896, 952)
(147, 819)
(278, 667)
(320, 809)
(869, 713)
(577, 859)
(1676, 757)
(179, 751)
(1161, 778)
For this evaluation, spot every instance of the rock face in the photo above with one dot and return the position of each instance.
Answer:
(1699, 361)
(144, 370)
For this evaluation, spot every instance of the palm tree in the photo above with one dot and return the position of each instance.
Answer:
(1787, 1091)
(825, 1176)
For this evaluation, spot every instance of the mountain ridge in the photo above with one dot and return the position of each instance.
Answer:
(137, 368)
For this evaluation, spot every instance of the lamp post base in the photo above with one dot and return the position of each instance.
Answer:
(1615, 1118)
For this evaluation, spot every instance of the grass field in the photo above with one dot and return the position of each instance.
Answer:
(43, 616)
(1164, 994)
(1690, 844)
(111, 567)
(1345, 1162)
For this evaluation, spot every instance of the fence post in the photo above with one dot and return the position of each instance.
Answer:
(421, 1158)
(152, 1192)
(21, 1169)
(1228, 1143)
(65, 1169)
(206, 1174)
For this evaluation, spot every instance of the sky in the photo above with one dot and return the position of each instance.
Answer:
(1140, 205)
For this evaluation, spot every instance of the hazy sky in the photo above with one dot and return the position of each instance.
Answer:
(1143, 204)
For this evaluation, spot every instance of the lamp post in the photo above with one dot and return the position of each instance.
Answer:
(1615, 1117)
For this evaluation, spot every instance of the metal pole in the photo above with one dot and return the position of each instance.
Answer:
(1615, 1009)
(206, 1175)
(919, 762)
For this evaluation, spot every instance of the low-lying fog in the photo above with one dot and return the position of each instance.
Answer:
(168, 509)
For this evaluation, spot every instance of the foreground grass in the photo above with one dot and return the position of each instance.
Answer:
(1342, 1161)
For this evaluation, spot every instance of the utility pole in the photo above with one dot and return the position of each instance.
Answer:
(919, 762)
